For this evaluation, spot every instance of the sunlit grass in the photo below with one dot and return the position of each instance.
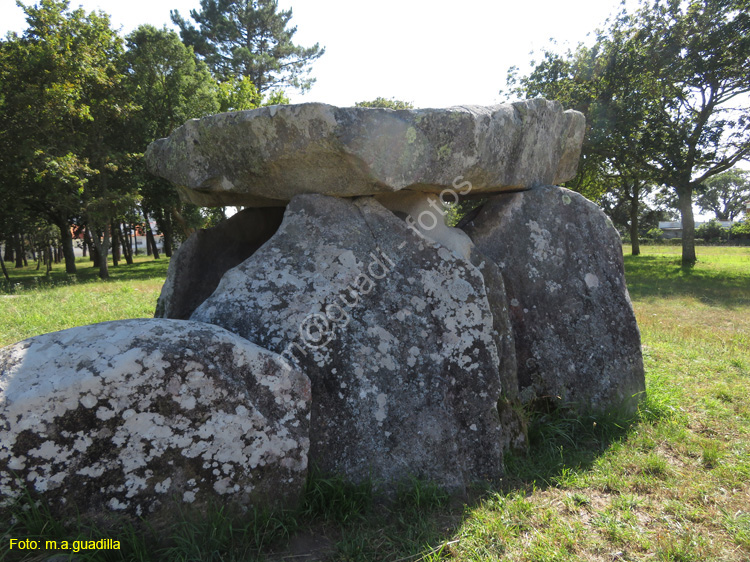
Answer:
(33, 303)
(673, 484)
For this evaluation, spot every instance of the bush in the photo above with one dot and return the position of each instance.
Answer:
(741, 230)
(712, 231)
(654, 234)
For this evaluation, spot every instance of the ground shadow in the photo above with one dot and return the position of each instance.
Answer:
(651, 277)
(30, 278)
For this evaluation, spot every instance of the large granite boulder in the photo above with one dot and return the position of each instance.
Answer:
(268, 155)
(576, 336)
(395, 332)
(121, 419)
(200, 262)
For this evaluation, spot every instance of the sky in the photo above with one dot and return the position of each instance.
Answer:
(433, 54)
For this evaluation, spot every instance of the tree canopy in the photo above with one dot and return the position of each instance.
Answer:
(391, 103)
(663, 91)
(249, 39)
(726, 194)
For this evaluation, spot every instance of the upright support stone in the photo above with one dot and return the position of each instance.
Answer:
(395, 332)
(576, 336)
(200, 262)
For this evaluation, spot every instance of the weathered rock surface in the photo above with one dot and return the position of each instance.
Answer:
(268, 155)
(198, 265)
(511, 418)
(575, 331)
(394, 331)
(123, 418)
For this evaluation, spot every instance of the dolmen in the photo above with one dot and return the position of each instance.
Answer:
(336, 321)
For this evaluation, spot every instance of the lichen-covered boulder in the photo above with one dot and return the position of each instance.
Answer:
(395, 332)
(123, 419)
(268, 155)
(576, 336)
(199, 263)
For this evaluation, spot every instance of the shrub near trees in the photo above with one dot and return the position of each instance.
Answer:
(79, 106)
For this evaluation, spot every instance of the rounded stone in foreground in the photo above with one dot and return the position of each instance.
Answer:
(122, 419)
(266, 156)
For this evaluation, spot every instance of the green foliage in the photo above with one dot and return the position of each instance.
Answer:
(655, 234)
(170, 86)
(166, 82)
(249, 39)
(63, 112)
(741, 230)
(712, 231)
(392, 103)
(663, 98)
(726, 194)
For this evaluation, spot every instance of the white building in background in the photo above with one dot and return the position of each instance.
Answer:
(673, 229)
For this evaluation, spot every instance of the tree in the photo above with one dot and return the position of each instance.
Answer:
(61, 115)
(726, 194)
(249, 38)
(666, 94)
(386, 103)
(700, 53)
(169, 87)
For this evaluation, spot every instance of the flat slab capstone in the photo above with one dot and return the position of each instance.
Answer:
(266, 156)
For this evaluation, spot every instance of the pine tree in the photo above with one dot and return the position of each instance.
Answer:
(250, 39)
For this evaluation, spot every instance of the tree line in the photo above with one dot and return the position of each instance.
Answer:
(665, 95)
(79, 105)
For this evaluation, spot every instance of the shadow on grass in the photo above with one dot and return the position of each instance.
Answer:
(340, 521)
(143, 269)
(562, 442)
(651, 277)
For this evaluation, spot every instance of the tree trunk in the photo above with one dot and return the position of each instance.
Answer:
(129, 237)
(635, 244)
(115, 246)
(2, 262)
(88, 240)
(685, 200)
(49, 259)
(134, 228)
(23, 250)
(9, 253)
(186, 230)
(151, 242)
(127, 251)
(19, 250)
(164, 220)
(102, 249)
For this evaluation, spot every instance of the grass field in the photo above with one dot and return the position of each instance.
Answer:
(672, 485)
(33, 303)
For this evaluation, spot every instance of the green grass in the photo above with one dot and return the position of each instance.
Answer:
(672, 484)
(33, 303)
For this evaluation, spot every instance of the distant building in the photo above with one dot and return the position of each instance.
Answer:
(673, 229)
